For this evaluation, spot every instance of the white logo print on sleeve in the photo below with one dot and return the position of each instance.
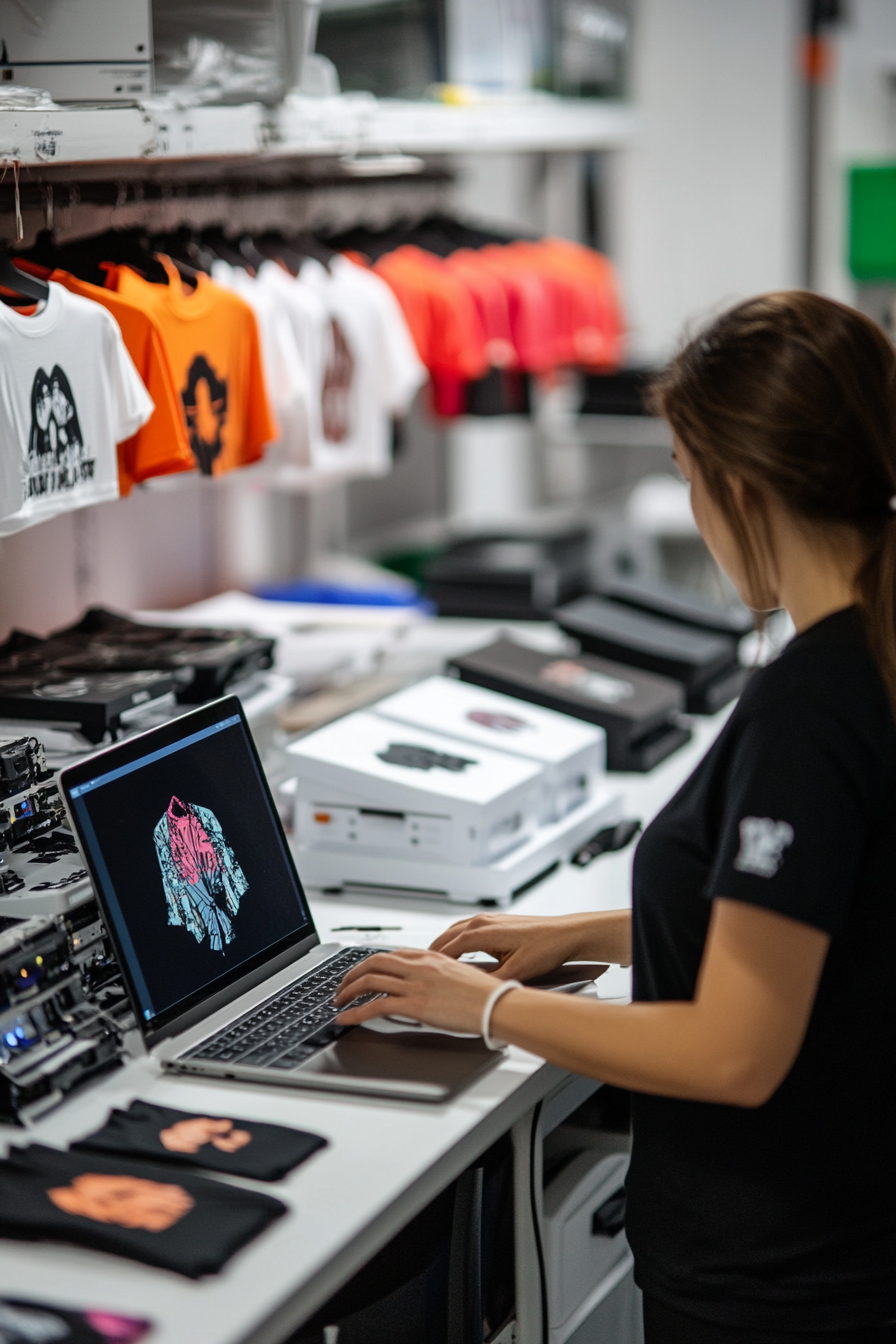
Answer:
(762, 845)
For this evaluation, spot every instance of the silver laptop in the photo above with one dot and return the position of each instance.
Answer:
(198, 888)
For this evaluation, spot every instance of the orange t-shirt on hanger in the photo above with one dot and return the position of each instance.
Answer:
(443, 319)
(161, 447)
(211, 338)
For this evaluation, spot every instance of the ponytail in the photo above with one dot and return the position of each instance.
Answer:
(877, 599)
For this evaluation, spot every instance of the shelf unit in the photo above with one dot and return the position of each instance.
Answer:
(307, 127)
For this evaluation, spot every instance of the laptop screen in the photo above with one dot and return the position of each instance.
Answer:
(189, 857)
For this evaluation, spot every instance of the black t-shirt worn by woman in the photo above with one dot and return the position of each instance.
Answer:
(783, 1216)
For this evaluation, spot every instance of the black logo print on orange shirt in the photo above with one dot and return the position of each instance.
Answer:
(205, 407)
(57, 457)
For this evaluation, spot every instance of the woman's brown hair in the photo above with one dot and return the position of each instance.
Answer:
(796, 394)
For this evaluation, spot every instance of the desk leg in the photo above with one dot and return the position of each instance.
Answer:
(528, 1263)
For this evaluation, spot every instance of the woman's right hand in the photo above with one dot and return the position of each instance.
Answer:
(524, 946)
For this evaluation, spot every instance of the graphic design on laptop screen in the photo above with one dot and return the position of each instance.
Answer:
(192, 863)
(202, 880)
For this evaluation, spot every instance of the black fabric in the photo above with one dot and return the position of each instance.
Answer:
(239, 1147)
(25, 1322)
(185, 1223)
(784, 1215)
(664, 1325)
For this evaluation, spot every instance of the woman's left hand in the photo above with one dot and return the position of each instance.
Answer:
(426, 986)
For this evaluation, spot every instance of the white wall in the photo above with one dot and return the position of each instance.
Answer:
(705, 205)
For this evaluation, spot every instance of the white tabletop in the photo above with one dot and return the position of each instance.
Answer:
(385, 1159)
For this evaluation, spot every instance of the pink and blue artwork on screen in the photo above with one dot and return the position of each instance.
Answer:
(202, 879)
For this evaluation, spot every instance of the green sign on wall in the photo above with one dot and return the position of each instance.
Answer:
(872, 222)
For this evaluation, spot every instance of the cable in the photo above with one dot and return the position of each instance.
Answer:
(536, 1225)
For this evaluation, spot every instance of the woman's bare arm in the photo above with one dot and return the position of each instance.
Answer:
(527, 946)
(734, 1044)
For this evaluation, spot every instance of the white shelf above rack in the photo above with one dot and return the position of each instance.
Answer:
(308, 127)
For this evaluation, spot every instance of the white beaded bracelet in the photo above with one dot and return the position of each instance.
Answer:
(487, 1011)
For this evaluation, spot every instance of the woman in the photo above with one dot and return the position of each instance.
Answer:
(760, 1044)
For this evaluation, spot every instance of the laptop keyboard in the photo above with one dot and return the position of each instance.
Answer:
(291, 1026)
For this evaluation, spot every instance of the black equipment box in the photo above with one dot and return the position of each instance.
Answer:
(205, 662)
(624, 392)
(706, 664)
(510, 576)
(61, 1024)
(639, 711)
(94, 702)
(679, 604)
(92, 672)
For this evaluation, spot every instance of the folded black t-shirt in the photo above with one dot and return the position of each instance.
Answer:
(138, 1209)
(238, 1147)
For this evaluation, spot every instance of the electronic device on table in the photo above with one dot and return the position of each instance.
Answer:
(205, 661)
(96, 673)
(223, 964)
(679, 604)
(94, 703)
(510, 575)
(572, 754)
(41, 869)
(640, 712)
(390, 808)
(63, 1010)
(706, 664)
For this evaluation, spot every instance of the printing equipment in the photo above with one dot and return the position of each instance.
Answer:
(572, 753)
(96, 51)
(388, 807)
(511, 575)
(41, 870)
(640, 712)
(705, 663)
(675, 603)
(63, 1009)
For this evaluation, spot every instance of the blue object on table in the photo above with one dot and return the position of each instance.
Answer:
(341, 595)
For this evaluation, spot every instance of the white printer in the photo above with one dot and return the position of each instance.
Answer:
(384, 806)
(571, 752)
(587, 1257)
(79, 50)
(383, 788)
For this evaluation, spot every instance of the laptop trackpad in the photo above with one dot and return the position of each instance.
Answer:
(425, 1065)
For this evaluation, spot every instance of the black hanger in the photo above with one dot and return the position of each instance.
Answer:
(219, 245)
(306, 245)
(250, 254)
(84, 258)
(18, 288)
(273, 248)
(184, 247)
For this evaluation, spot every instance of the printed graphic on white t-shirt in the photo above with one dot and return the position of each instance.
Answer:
(762, 845)
(57, 456)
(69, 393)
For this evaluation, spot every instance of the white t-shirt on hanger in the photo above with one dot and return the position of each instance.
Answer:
(403, 371)
(377, 374)
(310, 323)
(69, 393)
(288, 382)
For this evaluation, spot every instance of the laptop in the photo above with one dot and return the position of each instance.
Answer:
(218, 949)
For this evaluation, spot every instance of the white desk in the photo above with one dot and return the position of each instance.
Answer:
(385, 1161)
